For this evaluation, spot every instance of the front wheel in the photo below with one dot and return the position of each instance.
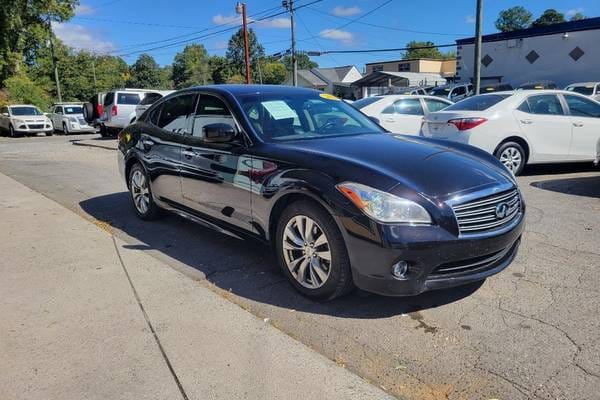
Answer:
(312, 253)
(512, 155)
(65, 129)
(11, 131)
(141, 194)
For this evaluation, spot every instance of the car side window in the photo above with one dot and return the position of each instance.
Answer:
(391, 109)
(545, 104)
(459, 91)
(176, 113)
(128, 98)
(524, 107)
(58, 110)
(409, 107)
(435, 105)
(210, 110)
(582, 107)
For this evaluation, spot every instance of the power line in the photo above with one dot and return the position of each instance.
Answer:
(319, 53)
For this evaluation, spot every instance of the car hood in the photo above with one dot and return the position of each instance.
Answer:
(435, 169)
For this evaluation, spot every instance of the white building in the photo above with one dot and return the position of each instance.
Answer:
(564, 53)
(335, 80)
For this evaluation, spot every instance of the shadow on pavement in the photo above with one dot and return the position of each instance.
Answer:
(584, 186)
(562, 168)
(246, 267)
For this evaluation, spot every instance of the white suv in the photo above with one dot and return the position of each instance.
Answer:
(24, 119)
(68, 118)
(119, 109)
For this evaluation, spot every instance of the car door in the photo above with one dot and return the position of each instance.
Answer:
(4, 117)
(211, 172)
(162, 136)
(585, 119)
(403, 116)
(543, 121)
(57, 117)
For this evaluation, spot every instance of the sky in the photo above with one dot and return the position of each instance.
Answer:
(162, 28)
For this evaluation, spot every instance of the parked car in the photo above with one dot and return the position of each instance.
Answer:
(342, 202)
(401, 113)
(24, 119)
(590, 89)
(97, 102)
(149, 99)
(413, 90)
(495, 87)
(119, 109)
(68, 118)
(454, 92)
(597, 160)
(537, 85)
(522, 127)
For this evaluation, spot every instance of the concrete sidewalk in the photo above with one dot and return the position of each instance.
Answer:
(85, 316)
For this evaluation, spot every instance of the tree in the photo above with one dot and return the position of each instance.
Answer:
(191, 67)
(414, 52)
(273, 72)
(220, 69)
(303, 61)
(577, 17)
(20, 89)
(549, 17)
(513, 19)
(144, 73)
(235, 52)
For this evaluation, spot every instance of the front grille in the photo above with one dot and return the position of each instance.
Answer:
(488, 213)
(35, 126)
(473, 265)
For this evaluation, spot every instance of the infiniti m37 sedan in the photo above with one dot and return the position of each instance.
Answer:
(342, 202)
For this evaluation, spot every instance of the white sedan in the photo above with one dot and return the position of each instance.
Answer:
(522, 127)
(401, 113)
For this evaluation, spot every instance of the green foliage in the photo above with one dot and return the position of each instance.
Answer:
(144, 73)
(578, 17)
(20, 89)
(273, 73)
(549, 17)
(235, 51)
(191, 67)
(303, 61)
(220, 68)
(513, 19)
(433, 53)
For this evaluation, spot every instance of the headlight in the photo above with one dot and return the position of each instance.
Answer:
(384, 207)
(73, 119)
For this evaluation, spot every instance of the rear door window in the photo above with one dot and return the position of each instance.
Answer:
(435, 105)
(545, 104)
(128, 98)
(477, 103)
(176, 113)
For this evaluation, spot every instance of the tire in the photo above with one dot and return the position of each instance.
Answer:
(49, 133)
(318, 278)
(65, 129)
(11, 131)
(141, 194)
(513, 156)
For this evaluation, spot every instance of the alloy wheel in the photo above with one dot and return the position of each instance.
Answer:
(140, 191)
(306, 252)
(511, 158)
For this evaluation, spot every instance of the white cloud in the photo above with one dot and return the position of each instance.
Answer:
(337, 34)
(82, 9)
(81, 37)
(275, 23)
(227, 20)
(346, 11)
(469, 19)
(573, 11)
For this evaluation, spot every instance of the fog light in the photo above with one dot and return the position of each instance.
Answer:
(400, 269)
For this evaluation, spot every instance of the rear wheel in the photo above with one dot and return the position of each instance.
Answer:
(513, 156)
(141, 194)
(312, 253)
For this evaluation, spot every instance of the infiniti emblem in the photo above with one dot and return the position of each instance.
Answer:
(501, 210)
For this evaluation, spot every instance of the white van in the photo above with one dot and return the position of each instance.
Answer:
(119, 108)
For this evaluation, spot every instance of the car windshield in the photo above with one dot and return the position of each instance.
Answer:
(478, 103)
(73, 110)
(367, 101)
(293, 116)
(442, 91)
(587, 90)
(20, 111)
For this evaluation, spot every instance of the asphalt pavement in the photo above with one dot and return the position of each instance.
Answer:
(531, 332)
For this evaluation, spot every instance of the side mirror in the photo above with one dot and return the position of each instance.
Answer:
(218, 133)
(5, 114)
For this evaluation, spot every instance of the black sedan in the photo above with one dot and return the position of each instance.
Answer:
(342, 202)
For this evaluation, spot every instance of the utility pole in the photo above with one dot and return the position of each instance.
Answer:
(289, 5)
(240, 8)
(477, 58)
(54, 63)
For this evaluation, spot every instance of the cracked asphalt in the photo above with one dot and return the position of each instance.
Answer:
(531, 332)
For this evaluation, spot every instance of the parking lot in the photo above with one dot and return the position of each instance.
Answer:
(532, 331)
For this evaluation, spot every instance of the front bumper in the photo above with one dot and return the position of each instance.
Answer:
(28, 128)
(437, 259)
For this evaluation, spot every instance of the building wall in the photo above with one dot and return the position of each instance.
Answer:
(509, 61)
(446, 67)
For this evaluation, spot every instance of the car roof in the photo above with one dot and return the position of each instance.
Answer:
(236, 90)
(582, 84)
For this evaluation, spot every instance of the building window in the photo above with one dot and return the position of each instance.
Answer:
(377, 68)
(404, 67)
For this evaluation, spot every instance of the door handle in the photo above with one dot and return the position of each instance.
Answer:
(188, 153)
(526, 121)
(578, 124)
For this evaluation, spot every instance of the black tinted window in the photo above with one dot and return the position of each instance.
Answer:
(545, 104)
(478, 103)
(108, 99)
(175, 113)
(585, 90)
(459, 91)
(128, 98)
(210, 110)
(582, 107)
(151, 98)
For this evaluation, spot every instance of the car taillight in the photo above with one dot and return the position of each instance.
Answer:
(99, 109)
(113, 111)
(462, 124)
